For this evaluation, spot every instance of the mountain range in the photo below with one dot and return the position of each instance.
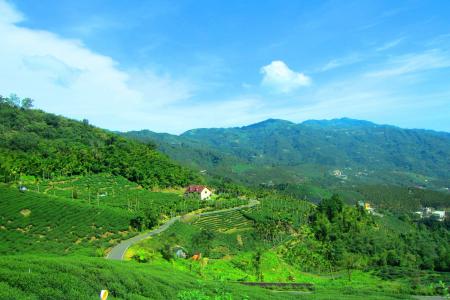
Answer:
(319, 151)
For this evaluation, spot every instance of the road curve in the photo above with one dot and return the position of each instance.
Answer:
(118, 251)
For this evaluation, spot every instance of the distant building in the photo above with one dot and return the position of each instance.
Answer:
(202, 191)
(337, 173)
(438, 215)
(428, 212)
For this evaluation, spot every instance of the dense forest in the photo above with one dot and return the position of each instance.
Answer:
(335, 235)
(36, 143)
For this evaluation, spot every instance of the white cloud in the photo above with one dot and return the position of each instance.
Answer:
(9, 14)
(66, 77)
(281, 79)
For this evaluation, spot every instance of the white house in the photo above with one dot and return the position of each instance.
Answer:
(202, 191)
(438, 215)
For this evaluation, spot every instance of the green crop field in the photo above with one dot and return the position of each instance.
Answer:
(75, 277)
(33, 222)
(230, 221)
(118, 192)
(106, 189)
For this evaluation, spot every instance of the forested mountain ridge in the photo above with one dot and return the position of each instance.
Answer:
(331, 144)
(33, 142)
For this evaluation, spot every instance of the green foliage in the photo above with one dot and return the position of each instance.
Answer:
(402, 199)
(116, 191)
(36, 143)
(331, 207)
(144, 255)
(347, 237)
(166, 252)
(275, 217)
(32, 222)
(312, 149)
(202, 241)
(224, 221)
(77, 277)
(100, 252)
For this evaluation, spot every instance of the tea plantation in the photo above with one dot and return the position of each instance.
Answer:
(75, 277)
(230, 221)
(33, 222)
(117, 191)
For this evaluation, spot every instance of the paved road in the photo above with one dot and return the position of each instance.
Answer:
(118, 251)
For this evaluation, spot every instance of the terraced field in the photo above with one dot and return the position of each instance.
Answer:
(226, 222)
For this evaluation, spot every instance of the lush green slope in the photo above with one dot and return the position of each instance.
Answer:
(191, 153)
(33, 142)
(115, 191)
(314, 149)
(348, 252)
(35, 223)
(32, 277)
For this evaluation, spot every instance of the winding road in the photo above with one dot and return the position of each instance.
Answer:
(118, 251)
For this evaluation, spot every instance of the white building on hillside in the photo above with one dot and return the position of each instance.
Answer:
(438, 215)
(202, 191)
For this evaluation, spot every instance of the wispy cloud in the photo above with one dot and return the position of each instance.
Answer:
(412, 63)
(341, 62)
(390, 44)
(278, 77)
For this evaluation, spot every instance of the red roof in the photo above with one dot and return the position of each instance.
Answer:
(195, 188)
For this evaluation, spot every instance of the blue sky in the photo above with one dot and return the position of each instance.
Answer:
(175, 65)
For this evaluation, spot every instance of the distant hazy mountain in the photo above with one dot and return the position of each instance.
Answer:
(282, 151)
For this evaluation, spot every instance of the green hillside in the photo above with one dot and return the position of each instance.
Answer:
(364, 151)
(33, 142)
(115, 191)
(35, 223)
(21, 277)
(345, 252)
